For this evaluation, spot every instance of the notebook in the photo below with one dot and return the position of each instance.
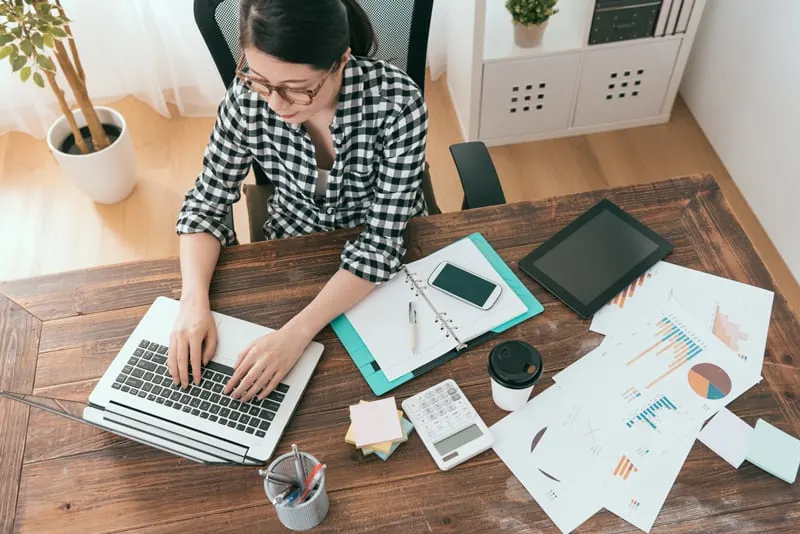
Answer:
(376, 332)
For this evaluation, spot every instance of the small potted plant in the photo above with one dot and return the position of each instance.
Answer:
(91, 144)
(530, 20)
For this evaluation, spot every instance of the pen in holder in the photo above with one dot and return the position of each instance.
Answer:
(299, 506)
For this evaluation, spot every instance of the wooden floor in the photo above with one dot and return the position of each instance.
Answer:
(48, 226)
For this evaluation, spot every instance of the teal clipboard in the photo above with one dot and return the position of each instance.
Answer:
(370, 369)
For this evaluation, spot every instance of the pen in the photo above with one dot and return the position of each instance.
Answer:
(313, 479)
(277, 477)
(298, 467)
(412, 325)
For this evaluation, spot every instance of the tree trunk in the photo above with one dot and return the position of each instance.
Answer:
(76, 60)
(99, 137)
(62, 103)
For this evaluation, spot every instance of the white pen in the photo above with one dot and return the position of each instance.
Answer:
(412, 325)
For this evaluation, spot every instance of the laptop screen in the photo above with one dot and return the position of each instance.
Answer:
(87, 414)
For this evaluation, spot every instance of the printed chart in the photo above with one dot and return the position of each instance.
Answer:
(709, 381)
(630, 291)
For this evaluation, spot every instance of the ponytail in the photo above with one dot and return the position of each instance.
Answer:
(362, 35)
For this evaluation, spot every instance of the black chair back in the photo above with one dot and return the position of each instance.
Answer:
(401, 28)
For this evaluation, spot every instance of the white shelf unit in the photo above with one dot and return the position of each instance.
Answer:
(505, 94)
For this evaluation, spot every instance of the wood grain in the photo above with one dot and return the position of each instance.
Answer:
(19, 335)
(73, 475)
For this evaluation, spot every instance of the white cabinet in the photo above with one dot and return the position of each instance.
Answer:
(625, 83)
(528, 95)
(505, 94)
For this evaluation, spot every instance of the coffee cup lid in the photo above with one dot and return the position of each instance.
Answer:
(515, 364)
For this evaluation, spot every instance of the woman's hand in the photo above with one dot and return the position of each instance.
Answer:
(263, 364)
(193, 339)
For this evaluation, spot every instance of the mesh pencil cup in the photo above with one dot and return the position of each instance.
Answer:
(308, 514)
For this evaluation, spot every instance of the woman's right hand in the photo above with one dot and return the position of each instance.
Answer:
(193, 340)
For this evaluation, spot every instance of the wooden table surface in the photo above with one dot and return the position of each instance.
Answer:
(58, 334)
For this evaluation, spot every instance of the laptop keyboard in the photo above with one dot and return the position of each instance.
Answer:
(146, 375)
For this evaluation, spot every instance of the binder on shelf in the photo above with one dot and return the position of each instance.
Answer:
(685, 16)
(674, 14)
(663, 16)
(375, 333)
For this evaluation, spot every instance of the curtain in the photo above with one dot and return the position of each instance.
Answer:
(150, 49)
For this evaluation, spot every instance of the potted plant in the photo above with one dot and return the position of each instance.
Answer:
(91, 144)
(530, 20)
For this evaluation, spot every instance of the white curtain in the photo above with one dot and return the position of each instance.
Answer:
(151, 49)
(437, 40)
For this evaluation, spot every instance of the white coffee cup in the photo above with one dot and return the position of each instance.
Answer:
(514, 368)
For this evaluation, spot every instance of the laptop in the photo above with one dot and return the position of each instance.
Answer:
(137, 399)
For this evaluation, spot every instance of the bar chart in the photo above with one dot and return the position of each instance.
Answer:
(650, 415)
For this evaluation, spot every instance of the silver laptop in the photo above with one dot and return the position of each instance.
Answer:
(136, 397)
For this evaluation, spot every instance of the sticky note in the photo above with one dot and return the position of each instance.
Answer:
(774, 451)
(382, 447)
(375, 422)
(407, 429)
(728, 436)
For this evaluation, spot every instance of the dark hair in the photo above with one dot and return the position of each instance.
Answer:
(310, 32)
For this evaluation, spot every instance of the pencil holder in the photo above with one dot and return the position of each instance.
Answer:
(312, 511)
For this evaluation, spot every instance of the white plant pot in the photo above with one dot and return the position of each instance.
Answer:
(528, 36)
(106, 177)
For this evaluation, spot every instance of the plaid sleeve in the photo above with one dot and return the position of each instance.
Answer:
(378, 251)
(226, 162)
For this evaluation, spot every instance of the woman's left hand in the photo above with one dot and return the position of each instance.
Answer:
(263, 364)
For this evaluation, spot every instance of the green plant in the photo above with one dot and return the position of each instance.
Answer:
(530, 12)
(32, 30)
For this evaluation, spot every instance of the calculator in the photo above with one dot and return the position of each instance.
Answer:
(448, 425)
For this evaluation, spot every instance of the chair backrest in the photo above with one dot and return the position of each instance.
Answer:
(401, 27)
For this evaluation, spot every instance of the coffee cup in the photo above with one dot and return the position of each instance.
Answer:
(514, 368)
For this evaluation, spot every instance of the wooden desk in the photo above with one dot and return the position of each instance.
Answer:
(58, 334)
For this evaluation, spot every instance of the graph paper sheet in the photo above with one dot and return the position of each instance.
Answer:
(737, 314)
(655, 384)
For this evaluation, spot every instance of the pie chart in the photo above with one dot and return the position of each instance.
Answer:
(709, 381)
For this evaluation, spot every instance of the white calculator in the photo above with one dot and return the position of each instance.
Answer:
(448, 425)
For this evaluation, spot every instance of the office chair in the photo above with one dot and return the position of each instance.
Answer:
(401, 27)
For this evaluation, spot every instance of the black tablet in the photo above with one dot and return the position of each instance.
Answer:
(595, 257)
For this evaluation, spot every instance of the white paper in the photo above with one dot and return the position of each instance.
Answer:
(639, 499)
(728, 436)
(738, 314)
(382, 318)
(515, 442)
(656, 383)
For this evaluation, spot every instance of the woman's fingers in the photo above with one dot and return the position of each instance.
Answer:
(196, 355)
(183, 360)
(260, 383)
(240, 369)
(210, 346)
(172, 359)
(273, 383)
(249, 379)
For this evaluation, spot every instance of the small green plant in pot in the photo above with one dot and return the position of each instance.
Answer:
(91, 144)
(530, 20)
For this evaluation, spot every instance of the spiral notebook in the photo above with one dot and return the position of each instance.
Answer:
(376, 331)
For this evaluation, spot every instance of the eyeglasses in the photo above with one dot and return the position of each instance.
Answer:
(302, 97)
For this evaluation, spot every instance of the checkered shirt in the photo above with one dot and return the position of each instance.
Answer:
(379, 134)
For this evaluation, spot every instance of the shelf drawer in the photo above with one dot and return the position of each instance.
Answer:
(625, 83)
(528, 96)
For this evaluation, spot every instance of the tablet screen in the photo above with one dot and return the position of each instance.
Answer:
(595, 257)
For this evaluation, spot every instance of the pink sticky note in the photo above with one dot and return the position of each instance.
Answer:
(375, 422)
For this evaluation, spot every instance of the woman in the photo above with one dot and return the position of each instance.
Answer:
(341, 136)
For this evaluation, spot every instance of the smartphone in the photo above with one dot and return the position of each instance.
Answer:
(465, 285)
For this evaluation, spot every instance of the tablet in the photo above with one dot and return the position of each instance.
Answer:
(595, 257)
